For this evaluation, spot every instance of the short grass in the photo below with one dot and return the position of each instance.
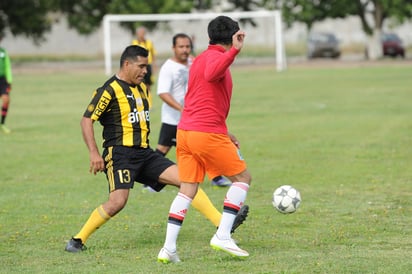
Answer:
(342, 136)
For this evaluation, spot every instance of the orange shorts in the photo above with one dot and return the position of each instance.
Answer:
(201, 153)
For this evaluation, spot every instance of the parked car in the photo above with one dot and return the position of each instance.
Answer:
(323, 44)
(392, 45)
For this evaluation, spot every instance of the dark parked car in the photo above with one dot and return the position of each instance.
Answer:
(392, 45)
(323, 44)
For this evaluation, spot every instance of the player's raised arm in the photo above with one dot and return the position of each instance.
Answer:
(237, 39)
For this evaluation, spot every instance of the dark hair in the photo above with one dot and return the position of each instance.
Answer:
(221, 30)
(181, 35)
(132, 52)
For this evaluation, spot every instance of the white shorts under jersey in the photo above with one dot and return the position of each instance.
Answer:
(172, 79)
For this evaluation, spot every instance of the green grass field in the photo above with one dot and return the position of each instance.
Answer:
(341, 135)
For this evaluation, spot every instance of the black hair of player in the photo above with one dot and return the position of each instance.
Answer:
(221, 29)
(132, 52)
(181, 35)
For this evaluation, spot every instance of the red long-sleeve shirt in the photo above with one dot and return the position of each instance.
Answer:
(207, 101)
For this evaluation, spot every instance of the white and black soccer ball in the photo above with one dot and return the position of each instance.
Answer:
(286, 199)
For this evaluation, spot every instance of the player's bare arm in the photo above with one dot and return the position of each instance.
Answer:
(96, 160)
(168, 99)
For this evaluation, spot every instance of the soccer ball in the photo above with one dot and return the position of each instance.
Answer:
(286, 199)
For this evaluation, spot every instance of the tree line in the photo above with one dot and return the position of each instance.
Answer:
(34, 18)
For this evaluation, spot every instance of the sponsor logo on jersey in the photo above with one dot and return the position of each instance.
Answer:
(90, 108)
(137, 116)
(101, 105)
(139, 102)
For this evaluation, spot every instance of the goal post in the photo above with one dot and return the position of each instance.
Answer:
(276, 14)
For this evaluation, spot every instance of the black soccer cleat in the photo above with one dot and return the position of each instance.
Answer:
(75, 245)
(240, 217)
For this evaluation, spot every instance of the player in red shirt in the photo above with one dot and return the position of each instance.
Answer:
(204, 144)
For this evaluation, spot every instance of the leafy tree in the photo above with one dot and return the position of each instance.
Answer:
(31, 18)
(148, 7)
(245, 5)
(34, 18)
(84, 16)
(372, 14)
(311, 11)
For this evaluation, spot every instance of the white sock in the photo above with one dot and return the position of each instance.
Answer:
(177, 214)
(235, 197)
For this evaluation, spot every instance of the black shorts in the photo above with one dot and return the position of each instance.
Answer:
(126, 165)
(4, 86)
(148, 77)
(167, 135)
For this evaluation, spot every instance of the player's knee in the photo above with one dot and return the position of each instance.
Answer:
(115, 204)
(170, 176)
(6, 101)
(244, 177)
(189, 189)
(248, 178)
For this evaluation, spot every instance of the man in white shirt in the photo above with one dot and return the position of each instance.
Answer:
(171, 88)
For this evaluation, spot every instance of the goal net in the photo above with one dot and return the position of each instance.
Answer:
(272, 34)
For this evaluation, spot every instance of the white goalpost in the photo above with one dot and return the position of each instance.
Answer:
(276, 14)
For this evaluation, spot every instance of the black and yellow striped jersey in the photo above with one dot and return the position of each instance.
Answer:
(123, 111)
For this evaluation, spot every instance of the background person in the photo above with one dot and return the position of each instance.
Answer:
(122, 108)
(6, 79)
(204, 144)
(171, 88)
(147, 44)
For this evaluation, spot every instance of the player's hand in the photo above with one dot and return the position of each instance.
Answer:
(234, 140)
(237, 39)
(8, 88)
(96, 163)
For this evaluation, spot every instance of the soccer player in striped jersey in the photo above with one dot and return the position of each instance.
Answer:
(121, 106)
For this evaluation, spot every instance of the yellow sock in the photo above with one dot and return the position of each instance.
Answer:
(202, 203)
(98, 218)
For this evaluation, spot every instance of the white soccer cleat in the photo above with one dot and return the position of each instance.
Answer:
(165, 256)
(228, 246)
